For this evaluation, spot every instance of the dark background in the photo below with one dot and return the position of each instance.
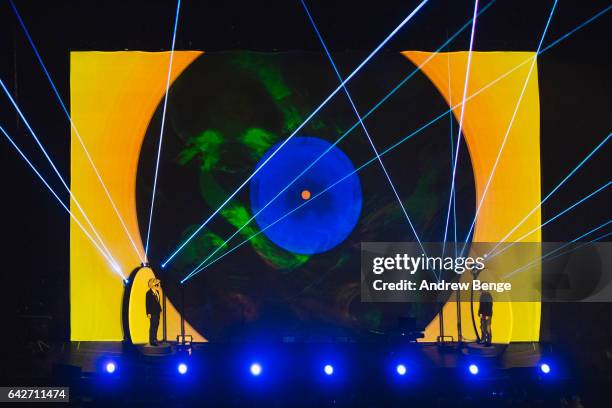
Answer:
(574, 91)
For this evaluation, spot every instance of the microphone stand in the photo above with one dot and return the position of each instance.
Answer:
(474, 276)
(164, 325)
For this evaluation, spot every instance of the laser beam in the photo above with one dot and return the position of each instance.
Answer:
(598, 238)
(499, 78)
(161, 131)
(510, 124)
(439, 117)
(577, 28)
(452, 145)
(568, 209)
(44, 151)
(553, 191)
(458, 145)
(359, 121)
(372, 110)
(540, 259)
(347, 79)
(108, 258)
(76, 132)
(363, 126)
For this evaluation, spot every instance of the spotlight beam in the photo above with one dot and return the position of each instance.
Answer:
(504, 75)
(568, 209)
(540, 259)
(363, 126)
(510, 124)
(44, 151)
(161, 131)
(374, 108)
(325, 101)
(76, 132)
(553, 191)
(110, 260)
(458, 145)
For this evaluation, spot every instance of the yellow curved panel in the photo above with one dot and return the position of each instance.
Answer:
(113, 97)
(515, 188)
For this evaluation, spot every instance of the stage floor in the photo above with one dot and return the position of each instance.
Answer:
(87, 355)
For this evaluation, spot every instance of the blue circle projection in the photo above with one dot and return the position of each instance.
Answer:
(324, 222)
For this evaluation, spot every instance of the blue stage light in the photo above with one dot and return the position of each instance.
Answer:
(400, 369)
(328, 369)
(110, 367)
(545, 368)
(182, 368)
(256, 369)
(473, 368)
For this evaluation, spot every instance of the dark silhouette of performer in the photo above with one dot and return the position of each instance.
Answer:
(153, 302)
(485, 311)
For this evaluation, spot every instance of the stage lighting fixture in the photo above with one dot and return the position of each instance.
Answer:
(401, 369)
(545, 368)
(328, 369)
(256, 369)
(110, 367)
(182, 368)
(473, 368)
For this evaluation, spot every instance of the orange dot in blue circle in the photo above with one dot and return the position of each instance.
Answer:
(320, 209)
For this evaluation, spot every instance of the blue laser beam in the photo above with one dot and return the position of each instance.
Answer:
(372, 110)
(568, 209)
(553, 191)
(325, 101)
(44, 151)
(540, 259)
(422, 128)
(599, 238)
(76, 132)
(161, 131)
(363, 126)
(452, 145)
(458, 145)
(110, 260)
(499, 78)
(510, 124)
(577, 28)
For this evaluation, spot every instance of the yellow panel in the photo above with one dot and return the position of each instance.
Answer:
(113, 97)
(515, 187)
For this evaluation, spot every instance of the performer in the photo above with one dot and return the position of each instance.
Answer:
(485, 311)
(153, 303)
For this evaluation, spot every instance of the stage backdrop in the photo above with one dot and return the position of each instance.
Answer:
(226, 113)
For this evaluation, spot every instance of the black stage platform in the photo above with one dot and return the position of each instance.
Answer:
(86, 355)
(293, 375)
